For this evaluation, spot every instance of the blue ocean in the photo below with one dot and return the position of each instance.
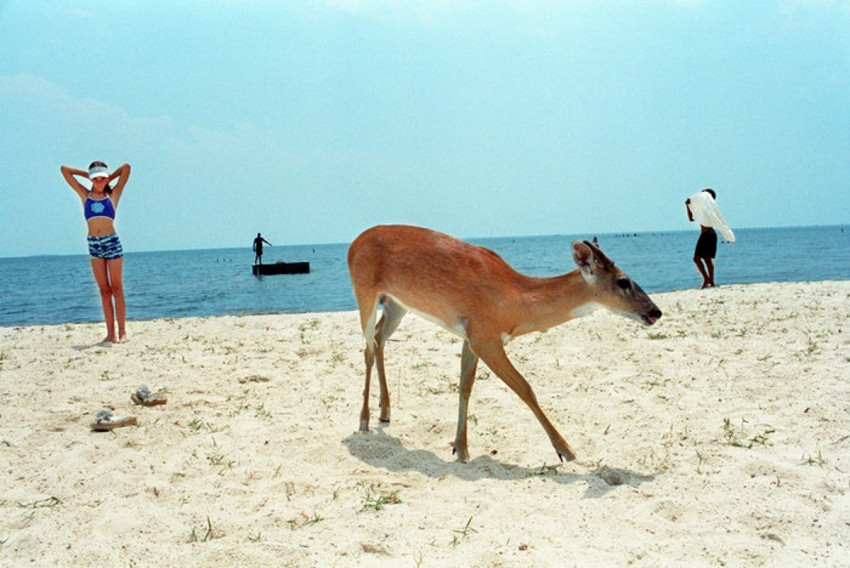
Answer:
(215, 282)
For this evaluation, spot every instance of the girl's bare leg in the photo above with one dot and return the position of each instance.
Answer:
(116, 282)
(101, 276)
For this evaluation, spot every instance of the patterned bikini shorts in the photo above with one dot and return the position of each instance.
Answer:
(107, 246)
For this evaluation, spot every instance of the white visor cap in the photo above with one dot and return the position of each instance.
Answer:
(98, 171)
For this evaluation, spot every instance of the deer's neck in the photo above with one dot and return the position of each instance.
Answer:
(549, 302)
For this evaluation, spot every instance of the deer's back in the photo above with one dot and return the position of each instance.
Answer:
(411, 262)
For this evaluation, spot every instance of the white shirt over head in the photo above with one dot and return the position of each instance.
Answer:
(706, 213)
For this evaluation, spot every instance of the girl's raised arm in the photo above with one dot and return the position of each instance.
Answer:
(70, 174)
(122, 174)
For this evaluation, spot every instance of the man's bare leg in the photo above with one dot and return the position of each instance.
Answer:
(710, 266)
(706, 282)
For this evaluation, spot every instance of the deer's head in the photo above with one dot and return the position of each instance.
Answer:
(612, 288)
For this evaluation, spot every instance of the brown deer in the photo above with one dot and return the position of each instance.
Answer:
(476, 295)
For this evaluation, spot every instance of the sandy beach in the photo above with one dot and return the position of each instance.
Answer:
(720, 436)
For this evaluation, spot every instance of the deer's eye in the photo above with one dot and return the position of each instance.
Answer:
(624, 283)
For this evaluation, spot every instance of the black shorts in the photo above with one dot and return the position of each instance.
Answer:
(706, 244)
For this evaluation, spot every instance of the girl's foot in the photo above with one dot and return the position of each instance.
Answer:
(122, 335)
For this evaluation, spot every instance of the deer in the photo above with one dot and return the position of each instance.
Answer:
(473, 293)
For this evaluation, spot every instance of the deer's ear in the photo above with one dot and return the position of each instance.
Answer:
(583, 257)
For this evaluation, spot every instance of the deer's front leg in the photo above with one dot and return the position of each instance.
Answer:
(468, 364)
(494, 355)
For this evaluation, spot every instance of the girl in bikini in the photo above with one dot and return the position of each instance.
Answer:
(99, 205)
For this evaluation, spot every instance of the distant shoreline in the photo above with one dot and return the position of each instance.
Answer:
(616, 234)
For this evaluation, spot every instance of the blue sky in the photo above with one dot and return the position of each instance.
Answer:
(311, 121)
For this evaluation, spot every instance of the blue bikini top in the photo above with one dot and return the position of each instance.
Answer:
(98, 208)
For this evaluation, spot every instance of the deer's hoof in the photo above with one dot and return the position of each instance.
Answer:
(462, 455)
(569, 455)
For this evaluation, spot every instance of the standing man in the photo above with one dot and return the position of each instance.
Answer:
(703, 209)
(258, 248)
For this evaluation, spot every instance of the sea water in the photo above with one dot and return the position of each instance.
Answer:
(174, 284)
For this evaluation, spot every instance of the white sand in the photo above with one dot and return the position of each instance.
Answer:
(721, 436)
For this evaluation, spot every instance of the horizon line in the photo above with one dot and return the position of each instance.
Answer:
(613, 233)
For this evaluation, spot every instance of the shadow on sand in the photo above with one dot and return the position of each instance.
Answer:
(380, 450)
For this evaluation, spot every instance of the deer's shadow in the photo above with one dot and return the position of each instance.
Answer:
(380, 450)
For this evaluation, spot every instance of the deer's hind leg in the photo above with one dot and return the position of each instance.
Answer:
(393, 312)
(368, 315)
(468, 364)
